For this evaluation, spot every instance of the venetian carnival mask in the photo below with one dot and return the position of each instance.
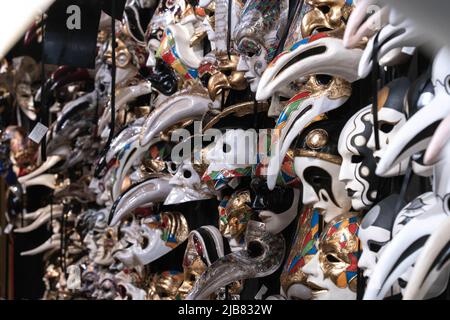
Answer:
(332, 272)
(321, 95)
(359, 164)
(156, 236)
(205, 245)
(165, 286)
(276, 208)
(391, 118)
(375, 232)
(257, 36)
(234, 214)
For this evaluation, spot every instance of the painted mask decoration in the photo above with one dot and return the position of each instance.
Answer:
(23, 150)
(276, 208)
(376, 232)
(234, 214)
(262, 256)
(158, 235)
(257, 36)
(165, 286)
(107, 288)
(205, 246)
(332, 272)
(26, 73)
(317, 163)
(293, 279)
(322, 94)
(391, 117)
(359, 164)
(167, 12)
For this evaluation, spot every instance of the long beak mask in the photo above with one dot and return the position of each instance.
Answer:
(36, 214)
(263, 255)
(416, 134)
(300, 111)
(402, 252)
(318, 54)
(42, 219)
(46, 180)
(142, 194)
(438, 142)
(124, 96)
(432, 266)
(53, 243)
(49, 163)
(360, 27)
(391, 41)
(74, 108)
(187, 105)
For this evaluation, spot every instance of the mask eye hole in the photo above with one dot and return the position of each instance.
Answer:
(332, 258)
(325, 198)
(323, 79)
(324, 9)
(226, 148)
(386, 127)
(375, 247)
(357, 159)
(187, 174)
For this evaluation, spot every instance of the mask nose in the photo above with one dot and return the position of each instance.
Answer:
(259, 188)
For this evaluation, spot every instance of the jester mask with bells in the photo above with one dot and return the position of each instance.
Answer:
(257, 36)
(321, 94)
(331, 273)
(317, 163)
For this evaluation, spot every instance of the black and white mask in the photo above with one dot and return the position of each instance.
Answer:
(359, 164)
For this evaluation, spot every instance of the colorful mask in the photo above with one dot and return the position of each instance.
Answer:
(257, 36)
(332, 272)
(293, 280)
(165, 286)
(235, 214)
(205, 245)
(321, 95)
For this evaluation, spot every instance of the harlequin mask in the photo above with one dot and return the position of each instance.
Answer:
(257, 36)
(262, 256)
(332, 272)
(359, 165)
(165, 286)
(276, 208)
(205, 246)
(416, 134)
(321, 95)
(158, 235)
(317, 163)
(391, 117)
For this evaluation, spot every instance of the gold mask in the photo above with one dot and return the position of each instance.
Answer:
(325, 15)
(235, 215)
(193, 265)
(165, 286)
(338, 251)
